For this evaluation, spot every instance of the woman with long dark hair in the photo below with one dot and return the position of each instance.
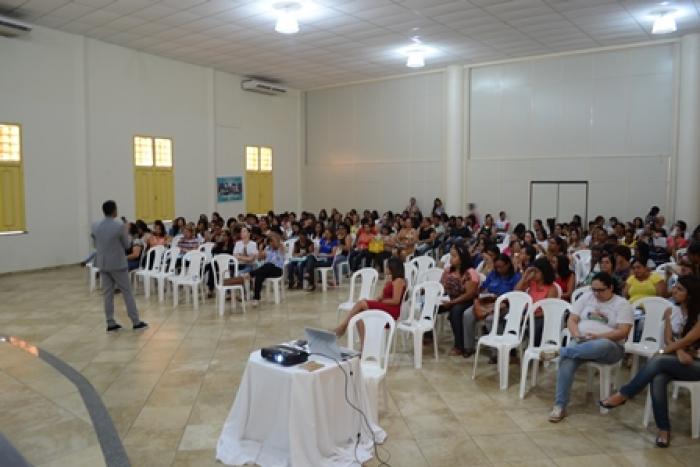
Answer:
(389, 301)
(461, 284)
(678, 360)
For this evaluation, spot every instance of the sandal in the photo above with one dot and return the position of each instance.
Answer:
(663, 443)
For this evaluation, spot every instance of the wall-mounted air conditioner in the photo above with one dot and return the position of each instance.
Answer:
(263, 87)
(10, 27)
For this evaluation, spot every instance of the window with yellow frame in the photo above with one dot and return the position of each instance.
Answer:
(258, 159)
(12, 215)
(153, 168)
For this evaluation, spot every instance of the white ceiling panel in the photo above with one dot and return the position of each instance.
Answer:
(350, 40)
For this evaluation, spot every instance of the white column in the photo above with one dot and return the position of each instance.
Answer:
(687, 206)
(454, 139)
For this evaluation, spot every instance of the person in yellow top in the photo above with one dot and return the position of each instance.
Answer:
(643, 282)
(629, 240)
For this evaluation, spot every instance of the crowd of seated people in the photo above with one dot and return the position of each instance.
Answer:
(487, 258)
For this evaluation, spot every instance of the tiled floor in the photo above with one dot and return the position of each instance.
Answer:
(170, 388)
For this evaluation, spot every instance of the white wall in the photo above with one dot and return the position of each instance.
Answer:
(374, 145)
(81, 101)
(602, 117)
(606, 118)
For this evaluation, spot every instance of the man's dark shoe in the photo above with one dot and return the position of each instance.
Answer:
(114, 327)
(141, 325)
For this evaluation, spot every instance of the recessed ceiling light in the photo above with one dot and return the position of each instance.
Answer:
(287, 13)
(416, 53)
(665, 23)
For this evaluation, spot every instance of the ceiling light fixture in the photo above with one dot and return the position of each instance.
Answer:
(665, 23)
(416, 54)
(287, 17)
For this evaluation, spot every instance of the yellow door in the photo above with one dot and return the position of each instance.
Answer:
(12, 217)
(259, 192)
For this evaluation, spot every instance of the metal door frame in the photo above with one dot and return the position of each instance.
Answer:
(560, 182)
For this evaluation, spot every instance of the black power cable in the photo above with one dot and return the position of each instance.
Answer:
(382, 462)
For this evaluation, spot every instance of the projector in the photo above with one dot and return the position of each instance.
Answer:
(284, 355)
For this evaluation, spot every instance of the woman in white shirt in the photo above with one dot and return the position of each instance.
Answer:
(245, 251)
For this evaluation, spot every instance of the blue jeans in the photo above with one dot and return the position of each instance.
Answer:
(295, 270)
(336, 270)
(572, 356)
(658, 372)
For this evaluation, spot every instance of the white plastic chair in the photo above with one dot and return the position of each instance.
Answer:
(154, 262)
(694, 388)
(276, 284)
(93, 273)
(379, 335)
(422, 263)
(190, 276)
(579, 293)
(430, 292)
(559, 291)
(653, 332)
(553, 310)
(175, 240)
(410, 274)
(221, 269)
(368, 280)
(445, 260)
(323, 273)
(582, 264)
(167, 270)
(430, 275)
(519, 304)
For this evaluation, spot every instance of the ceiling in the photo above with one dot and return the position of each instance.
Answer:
(351, 40)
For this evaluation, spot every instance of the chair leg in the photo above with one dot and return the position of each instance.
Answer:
(277, 286)
(242, 291)
(695, 412)
(195, 296)
(220, 300)
(605, 383)
(435, 344)
(417, 350)
(324, 279)
(147, 286)
(524, 367)
(503, 363)
(535, 369)
(675, 391)
(161, 289)
(176, 293)
(476, 359)
(635, 365)
(647, 410)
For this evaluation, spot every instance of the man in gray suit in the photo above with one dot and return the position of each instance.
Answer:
(111, 242)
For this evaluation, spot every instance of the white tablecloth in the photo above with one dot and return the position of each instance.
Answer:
(289, 417)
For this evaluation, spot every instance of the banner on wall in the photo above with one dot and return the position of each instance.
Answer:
(229, 189)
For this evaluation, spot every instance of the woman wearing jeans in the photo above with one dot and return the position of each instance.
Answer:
(272, 267)
(677, 361)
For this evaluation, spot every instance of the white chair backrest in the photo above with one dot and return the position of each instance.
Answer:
(289, 245)
(377, 342)
(154, 258)
(423, 263)
(445, 260)
(519, 304)
(582, 264)
(221, 268)
(559, 291)
(192, 264)
(553, 310)
(206, 248)
(430, 275)
(171, 257)
(654, 308)
(176, 239)
(661, 269)
(368, 280)
(579, 293)
(410, 274)
(427, 294)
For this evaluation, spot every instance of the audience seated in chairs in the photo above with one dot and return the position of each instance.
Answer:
(324, 257)
(273, 262)
(360, 253)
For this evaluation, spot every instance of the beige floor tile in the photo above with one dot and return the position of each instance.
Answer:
(493, 422)
(89, 457)
(647, 458)
(597, 460)
(162, 417)
(438, 424)
(452, 450)
(200, 458)
(612, 441)
(508, 447)
(688, 455)
(199, 437)
(564, 443)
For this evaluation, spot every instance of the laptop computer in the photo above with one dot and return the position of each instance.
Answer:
(325, 343)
